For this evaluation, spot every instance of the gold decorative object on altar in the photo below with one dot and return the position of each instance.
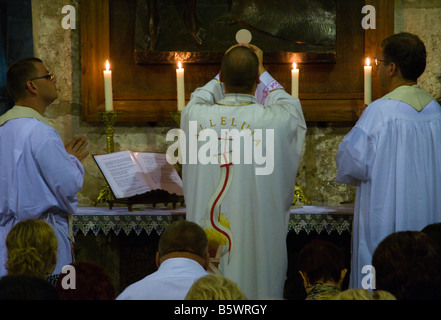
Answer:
(299, 196)
(109, 118)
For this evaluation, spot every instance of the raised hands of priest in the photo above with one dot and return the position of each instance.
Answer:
(77, 147)
(361, 109)
(234, 46)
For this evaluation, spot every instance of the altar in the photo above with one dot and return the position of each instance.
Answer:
(125, 242)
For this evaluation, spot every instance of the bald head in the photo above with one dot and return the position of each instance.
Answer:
(183, 236)
(240, 70)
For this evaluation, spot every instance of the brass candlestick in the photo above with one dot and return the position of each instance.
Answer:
(108, 118)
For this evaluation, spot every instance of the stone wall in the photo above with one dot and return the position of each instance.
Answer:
(60, 50)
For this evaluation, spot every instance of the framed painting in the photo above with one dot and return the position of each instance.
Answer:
(199, 31)
(143, 40)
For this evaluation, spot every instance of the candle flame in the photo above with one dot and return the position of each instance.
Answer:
(107, 65)
(179, 65)
(294, 65)
(368, 62)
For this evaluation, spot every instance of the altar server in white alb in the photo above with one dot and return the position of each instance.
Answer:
(239, 175)
(39, 176)
(393, 155)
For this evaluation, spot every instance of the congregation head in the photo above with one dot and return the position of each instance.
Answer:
(407, 264)
(433, 230)
(92, 282)
(215, 287)
(322, 261)
(182, 258)
(183, 238)
(32, 248)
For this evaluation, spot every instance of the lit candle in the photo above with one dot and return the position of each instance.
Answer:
(294, 80)
(367, 82)
(108, 87)
(180, 86)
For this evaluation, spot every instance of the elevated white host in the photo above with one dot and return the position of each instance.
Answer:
(243, 36)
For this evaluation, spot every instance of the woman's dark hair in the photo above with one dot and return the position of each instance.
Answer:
(433, 230)
(408, 264)
(92, 282)
(321, 260)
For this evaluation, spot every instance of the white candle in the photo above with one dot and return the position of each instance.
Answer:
(294, 80)
(367, 82)
(108, 87)
(180, 86)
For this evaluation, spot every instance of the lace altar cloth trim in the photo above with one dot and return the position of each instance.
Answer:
(320, 223)
(96, 219)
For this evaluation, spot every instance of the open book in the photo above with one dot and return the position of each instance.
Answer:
(131, 173)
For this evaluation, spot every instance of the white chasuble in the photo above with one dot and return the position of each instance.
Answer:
(240, 160)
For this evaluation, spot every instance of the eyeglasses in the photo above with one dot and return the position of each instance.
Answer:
(49, 77)
(378, 61)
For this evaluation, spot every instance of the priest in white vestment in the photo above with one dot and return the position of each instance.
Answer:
(240, 160)
(393, 156)
(39, 176)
